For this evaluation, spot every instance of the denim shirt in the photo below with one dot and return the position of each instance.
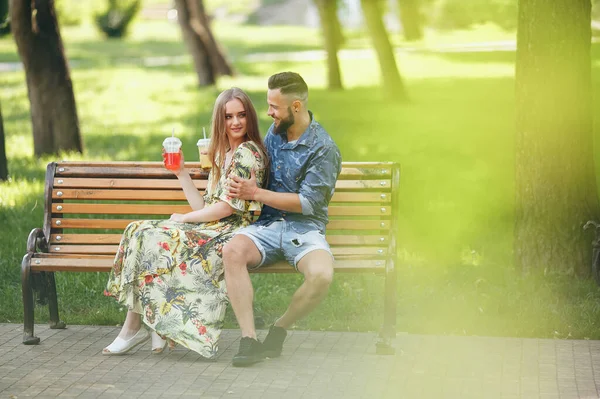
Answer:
(309, 167)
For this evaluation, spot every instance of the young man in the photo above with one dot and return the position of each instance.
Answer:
(305, 165)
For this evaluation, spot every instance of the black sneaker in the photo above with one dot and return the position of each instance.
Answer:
(273, 344)
(251, 351)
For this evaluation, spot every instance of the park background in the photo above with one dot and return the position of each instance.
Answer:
(454, 138)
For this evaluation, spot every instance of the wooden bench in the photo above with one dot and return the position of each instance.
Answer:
(88, 204)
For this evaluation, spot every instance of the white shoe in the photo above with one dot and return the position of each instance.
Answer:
(158, 344)
(120, 346)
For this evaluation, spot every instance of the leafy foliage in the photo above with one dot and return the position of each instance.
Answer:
(460, 14)
(69, 12)
(114, 22)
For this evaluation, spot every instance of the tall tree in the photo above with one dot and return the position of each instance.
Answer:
(4, 21)
(53, 111)
(3, 160)
(332, 35)
(411, 19)
(392, 82)
(556, 189)
(209, 59)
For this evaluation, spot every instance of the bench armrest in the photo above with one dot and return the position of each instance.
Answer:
(37, 241)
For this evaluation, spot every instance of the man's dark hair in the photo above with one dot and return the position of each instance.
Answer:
(289, 83)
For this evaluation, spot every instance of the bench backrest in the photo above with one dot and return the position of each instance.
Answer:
(88, 204)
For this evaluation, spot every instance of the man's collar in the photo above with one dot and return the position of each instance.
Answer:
(307, 137)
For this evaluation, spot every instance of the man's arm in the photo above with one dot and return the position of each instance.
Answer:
(320, 178)
(289, 202)
(317, 186)
(247, 189)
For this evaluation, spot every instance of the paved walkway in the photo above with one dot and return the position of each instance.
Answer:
(68, 363)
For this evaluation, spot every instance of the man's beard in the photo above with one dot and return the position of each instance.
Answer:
(285, 124)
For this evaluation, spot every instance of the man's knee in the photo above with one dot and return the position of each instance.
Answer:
(321, 278)
(318, 270)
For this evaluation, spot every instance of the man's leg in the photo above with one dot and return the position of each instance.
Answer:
(238, 254)
(317, 268)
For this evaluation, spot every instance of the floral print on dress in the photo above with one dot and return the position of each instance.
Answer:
(172, 273)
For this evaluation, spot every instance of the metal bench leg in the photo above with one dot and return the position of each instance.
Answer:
(28, 337)
(388, 331)
(55, 322)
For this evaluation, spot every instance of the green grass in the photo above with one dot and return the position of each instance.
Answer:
(454, 141)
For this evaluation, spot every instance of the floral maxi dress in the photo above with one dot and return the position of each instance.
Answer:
(172, 273)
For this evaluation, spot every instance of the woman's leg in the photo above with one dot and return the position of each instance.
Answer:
(131, 335)
(131, 325)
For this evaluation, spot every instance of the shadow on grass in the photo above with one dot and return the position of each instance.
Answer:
(503, 56)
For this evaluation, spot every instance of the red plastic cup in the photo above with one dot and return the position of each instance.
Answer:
(172, 146)
(172, 160)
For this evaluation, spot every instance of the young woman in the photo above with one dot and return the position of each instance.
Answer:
(169, 273)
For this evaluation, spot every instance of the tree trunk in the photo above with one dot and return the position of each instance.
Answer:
(332, 37)
(49, 86)
(411, 19)
(204, 70)
(392, 82)
(3, 160)
(555, 184)
(208, 57)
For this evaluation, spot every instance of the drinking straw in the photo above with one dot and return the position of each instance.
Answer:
(204, 132)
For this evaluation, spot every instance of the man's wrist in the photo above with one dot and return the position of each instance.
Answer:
(257, 194)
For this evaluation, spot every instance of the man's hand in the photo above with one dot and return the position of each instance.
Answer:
(177, 217)
(243, 188)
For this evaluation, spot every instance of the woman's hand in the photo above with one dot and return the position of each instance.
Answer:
(178, 217)
(181, 163)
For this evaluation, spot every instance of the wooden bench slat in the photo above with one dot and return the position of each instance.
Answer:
(85, 239)
(65, 223)
(98, 263)
(112, 249)
(168, 209)
(125, 169)
(344, 266)
(178, 195)
(101, 182)
(157, 164)
(164, 184)
(156, 169)
(100, 239)
(83, 249)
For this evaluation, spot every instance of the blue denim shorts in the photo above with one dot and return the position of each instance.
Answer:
(278, 241)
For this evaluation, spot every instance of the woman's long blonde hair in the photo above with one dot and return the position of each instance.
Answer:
(219, 144)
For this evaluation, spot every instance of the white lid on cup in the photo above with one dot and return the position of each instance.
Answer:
(203, 142)
(172, 144)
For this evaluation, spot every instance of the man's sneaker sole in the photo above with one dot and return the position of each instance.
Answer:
(271, 353)
(244, 361)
